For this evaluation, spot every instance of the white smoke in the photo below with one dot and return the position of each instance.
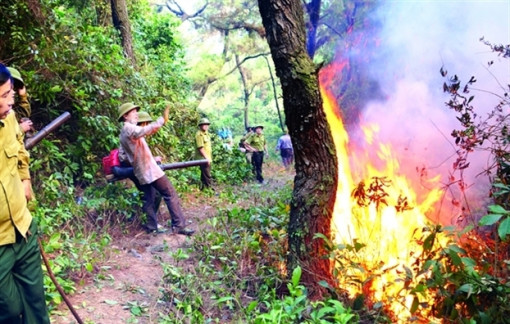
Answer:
(417, 39)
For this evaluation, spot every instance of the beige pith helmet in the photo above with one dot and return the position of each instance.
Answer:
(204, 121)
(125, 108)
(16, 75)
(144, 117)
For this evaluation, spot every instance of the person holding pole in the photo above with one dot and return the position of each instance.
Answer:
(22, 297)
(204, 151)
(147, 171)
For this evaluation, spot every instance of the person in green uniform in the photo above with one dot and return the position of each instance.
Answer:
(22, 297)
(21, 106)
(204, 151)
(249, 132)
(256, 144)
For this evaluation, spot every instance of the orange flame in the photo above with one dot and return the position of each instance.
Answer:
(380, 235)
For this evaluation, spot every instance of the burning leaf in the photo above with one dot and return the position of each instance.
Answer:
(414, 305)
(443, 72)
(454, 257)
(359, 194)
(402, 204)
(428, 243)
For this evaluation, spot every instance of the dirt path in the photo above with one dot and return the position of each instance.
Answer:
(126, 289)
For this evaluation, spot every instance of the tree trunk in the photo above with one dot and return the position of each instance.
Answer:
(35, 8)
(315, 158)
(246, 93)
(121, 23)
(275, 94)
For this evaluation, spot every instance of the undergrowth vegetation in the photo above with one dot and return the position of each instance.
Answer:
(71, 60)
(241, 276)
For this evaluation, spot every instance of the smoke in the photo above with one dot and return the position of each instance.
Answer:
(416, 39)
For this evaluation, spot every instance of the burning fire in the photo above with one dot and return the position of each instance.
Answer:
(379, 213)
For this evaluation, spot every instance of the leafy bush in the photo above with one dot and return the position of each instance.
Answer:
(463, 290)
(296, 308)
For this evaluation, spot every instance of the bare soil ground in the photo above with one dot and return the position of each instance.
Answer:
(129, 280)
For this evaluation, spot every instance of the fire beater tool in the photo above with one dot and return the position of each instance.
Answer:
(29, 143)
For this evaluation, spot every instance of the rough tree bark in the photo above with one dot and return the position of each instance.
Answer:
(315, 153)
(246, 93)
(121, 23)
(35, 8)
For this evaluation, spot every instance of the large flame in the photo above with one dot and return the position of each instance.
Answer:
(380, 235)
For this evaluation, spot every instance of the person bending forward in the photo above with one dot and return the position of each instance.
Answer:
(147, 171)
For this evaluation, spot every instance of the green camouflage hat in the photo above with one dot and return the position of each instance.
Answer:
(204, 121)
(144, 117)
(16, 75)
(125, 108)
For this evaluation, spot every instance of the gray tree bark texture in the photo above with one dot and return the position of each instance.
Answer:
(121, 23)
(315, 154)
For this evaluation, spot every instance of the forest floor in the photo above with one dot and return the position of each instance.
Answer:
(128, 281)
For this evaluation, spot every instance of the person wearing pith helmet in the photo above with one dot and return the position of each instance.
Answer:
(256, 143)
(144, 117)
(22, 106)
(126, 108)
(143, 120)
(22, 298)
(148, 173)
(204, 151)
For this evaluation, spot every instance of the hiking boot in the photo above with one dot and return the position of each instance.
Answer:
(184, 231)
(158, 230)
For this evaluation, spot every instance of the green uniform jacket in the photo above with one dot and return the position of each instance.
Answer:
(203, 139)
(258, 142)
(14, 168)
(22, 107)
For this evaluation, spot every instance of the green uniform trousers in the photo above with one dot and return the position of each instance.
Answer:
(21, 281)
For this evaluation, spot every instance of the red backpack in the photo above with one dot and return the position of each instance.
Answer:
(110, 161)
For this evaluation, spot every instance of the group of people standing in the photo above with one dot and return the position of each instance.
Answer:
(148, 176)
(22, 297)
(255, 144)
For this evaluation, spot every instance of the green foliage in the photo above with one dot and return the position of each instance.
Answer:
(296, 308)
(71, 59)
(229, 165)
(78, 65)
(239, 255)
(498, 214)
(462, 287)
(241, 268)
